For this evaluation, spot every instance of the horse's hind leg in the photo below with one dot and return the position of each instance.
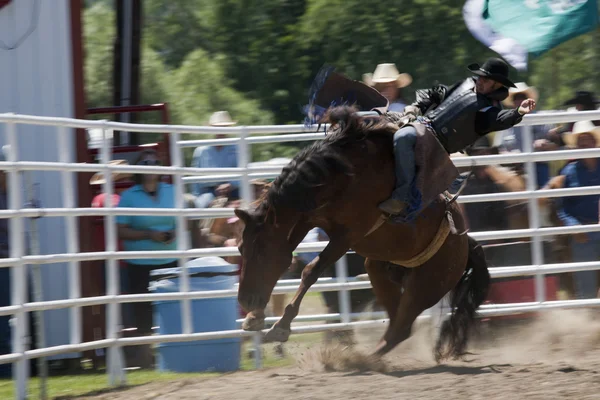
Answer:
(423, 287)
(387, 292)
(401, 323)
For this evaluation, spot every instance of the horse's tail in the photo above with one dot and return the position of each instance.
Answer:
(467, 296)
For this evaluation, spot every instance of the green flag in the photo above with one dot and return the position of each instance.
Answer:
(516, 29)
(540, 25)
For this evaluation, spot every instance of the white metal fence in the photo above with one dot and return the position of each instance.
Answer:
(183, 175)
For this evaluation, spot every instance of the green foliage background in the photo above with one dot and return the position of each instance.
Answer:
(256, 59)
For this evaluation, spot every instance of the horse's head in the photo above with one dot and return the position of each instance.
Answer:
(266, 255)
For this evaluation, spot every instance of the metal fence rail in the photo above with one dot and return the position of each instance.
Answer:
(183, 175)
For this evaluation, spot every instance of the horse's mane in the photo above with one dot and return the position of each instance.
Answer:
(300, 181)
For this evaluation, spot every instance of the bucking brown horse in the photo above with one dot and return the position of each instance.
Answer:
(336, 184)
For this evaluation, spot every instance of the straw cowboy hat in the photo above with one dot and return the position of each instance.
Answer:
(385, 73)
(221, 118)
(98, 177)
(570, 138)
(521, 88)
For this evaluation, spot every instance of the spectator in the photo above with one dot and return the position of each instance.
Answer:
(511, 140)
(583, 101)
(145, 233)
(496, 215)
(98, 179)
(224, 156)
(491, 215)
(100, 199)
(581, 210)
(389, 82)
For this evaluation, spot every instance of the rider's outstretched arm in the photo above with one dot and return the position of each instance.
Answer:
(494, 119)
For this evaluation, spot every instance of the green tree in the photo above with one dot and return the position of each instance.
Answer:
(99, 33)
(176, 28)
(574, 65)
(261, 42)
(200, 87)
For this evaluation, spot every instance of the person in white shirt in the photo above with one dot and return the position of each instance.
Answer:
(224, 156)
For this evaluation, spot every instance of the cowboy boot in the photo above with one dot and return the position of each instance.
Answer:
(393, 206)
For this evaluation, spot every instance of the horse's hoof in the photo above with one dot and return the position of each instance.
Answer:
(253, 323)
(277, 334)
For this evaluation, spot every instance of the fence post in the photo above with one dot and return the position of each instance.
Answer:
(247, 196)
(18, 270)
(243, 155)
(115, 366)
(182, 243)
(537, 250)
(38, 291)
(72, 235)
(341, 271)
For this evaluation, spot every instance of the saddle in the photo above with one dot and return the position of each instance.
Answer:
(435, 171)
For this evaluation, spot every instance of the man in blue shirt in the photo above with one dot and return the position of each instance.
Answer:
(582, 210)
(215, 157)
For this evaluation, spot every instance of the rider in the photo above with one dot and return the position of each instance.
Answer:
(458, 116)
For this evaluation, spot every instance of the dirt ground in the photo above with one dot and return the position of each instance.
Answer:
(556, 357)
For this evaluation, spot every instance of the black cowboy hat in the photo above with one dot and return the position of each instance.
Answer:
(582, 97)
(493, 68)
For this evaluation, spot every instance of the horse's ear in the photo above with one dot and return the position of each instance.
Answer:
(243, 215)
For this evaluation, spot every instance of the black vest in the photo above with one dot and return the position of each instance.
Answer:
(454, 119)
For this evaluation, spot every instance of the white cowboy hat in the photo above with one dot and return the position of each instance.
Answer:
(221, 118)
(570, 138)
(521, 88)
(385, 73)
(98, 177)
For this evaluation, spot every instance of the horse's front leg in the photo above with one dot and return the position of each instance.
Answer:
(280, 332)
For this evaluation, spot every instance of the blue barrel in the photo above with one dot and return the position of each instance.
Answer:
(208, 315)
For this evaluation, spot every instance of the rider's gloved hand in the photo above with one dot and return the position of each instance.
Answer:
(411, 112)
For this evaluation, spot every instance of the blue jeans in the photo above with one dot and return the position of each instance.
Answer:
(404, 152)
(586, 286)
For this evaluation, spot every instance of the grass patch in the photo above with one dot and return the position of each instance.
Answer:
(65, 387)
(90, 383)
(96, 382)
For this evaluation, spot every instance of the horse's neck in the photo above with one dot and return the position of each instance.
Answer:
(292, 225)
